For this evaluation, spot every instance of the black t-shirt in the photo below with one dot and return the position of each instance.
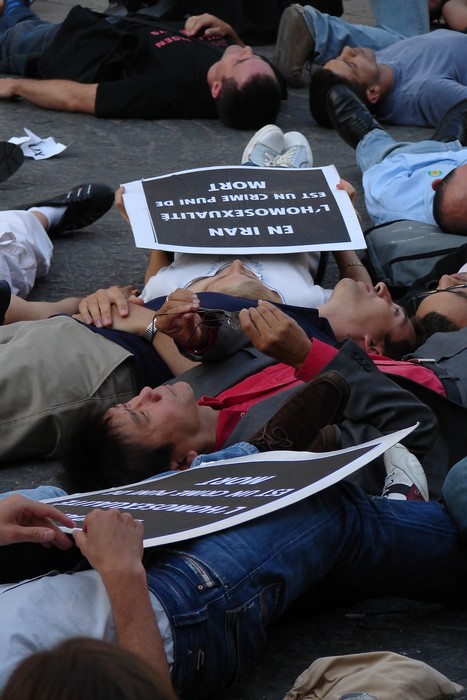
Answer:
(145, 69)
(170, 80)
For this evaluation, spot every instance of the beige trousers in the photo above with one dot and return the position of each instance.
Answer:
(52, 373)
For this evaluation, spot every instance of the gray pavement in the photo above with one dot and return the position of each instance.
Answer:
(114, 152)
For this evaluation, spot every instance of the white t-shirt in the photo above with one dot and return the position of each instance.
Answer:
(290, 275)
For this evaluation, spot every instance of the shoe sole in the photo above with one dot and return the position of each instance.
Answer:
(286, 43)
(11, 158)
(268, 129)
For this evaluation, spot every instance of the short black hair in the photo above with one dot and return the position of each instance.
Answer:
(441, 216)
(396, 349)
(253, 105)
(323, 80)
(432, 323)
(98, 457)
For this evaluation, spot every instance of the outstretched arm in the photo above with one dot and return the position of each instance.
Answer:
(60, 95)
(113, 544)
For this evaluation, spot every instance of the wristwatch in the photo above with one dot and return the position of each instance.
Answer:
(151, 330)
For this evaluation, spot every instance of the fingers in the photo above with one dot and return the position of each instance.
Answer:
(97, 308)
(119, 203)
(347, 187)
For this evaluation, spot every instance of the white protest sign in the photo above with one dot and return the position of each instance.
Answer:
(213, 497)
(233, 209)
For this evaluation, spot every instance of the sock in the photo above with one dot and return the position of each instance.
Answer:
(52, 214)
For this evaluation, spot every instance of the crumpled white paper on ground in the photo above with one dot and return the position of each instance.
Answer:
(36, 147)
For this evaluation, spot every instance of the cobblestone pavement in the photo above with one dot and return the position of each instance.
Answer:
(116, 151)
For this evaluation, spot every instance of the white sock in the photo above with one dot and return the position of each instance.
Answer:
(52, 214)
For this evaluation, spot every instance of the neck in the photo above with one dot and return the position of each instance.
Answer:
(207, 435)
(386, 79)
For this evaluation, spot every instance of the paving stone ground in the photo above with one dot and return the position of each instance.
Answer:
(115, 152)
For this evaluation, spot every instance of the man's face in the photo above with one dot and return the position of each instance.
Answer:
(166, 414)
(369, 315)
(231, 277)
(241, 64)
(452, 304)
(357, 65)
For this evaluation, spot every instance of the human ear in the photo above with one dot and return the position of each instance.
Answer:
(373, 94)
(216, 89)
(436, 183)
(372, 347)
(186, 461)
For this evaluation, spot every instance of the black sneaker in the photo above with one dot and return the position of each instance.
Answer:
(11, 158)
(84, 205)
(349, 116)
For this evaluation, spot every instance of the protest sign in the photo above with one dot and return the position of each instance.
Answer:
(195, 502)
(235, 209)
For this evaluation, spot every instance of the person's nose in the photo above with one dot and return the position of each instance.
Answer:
(446, 281)
(348, 52)
(145, 395)
(246, 52)
(383, 292)
(237, 266)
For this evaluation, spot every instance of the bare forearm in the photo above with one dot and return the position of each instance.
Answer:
(157, 260)
(350, 266)
(60, 95)
(22, 310)
(135, 623)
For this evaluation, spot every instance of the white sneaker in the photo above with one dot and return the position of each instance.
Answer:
(297, 152)
(406, 480)
(264, 146)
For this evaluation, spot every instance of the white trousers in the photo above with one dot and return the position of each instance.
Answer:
(25, 250)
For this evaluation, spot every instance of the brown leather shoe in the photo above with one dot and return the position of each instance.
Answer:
(315, 405)
(327, 440)
(294, 45)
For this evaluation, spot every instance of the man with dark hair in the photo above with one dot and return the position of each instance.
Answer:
(309, 35)
(424, 181)
(404, 83)
(136, 67)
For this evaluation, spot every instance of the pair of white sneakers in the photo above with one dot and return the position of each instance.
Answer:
(270, 147)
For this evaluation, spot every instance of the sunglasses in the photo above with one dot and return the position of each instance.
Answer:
(454, 289)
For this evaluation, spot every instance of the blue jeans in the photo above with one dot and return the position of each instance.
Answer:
(23, 37)
(455, 494)
(221, 591)
(41, 493)
(395, 20)
(377, 145)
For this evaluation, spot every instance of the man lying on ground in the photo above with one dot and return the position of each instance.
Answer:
(138, 68)
(404, 83)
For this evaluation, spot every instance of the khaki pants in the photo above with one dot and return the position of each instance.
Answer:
(52, 373)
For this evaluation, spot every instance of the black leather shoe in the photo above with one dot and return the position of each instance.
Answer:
(349, 116)
(84, 205)
(11, 158)
(453, 125)
(5, 298)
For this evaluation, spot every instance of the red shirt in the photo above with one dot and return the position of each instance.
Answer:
(234, 402)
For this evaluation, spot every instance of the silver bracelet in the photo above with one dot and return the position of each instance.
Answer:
(151, 330)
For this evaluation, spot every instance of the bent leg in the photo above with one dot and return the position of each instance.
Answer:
(23, 37)
(331, 34)
(377, 145)
(221, 591)
(25, 250)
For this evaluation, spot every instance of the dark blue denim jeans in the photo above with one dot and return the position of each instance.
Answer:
(23, 37)
(221, 591)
